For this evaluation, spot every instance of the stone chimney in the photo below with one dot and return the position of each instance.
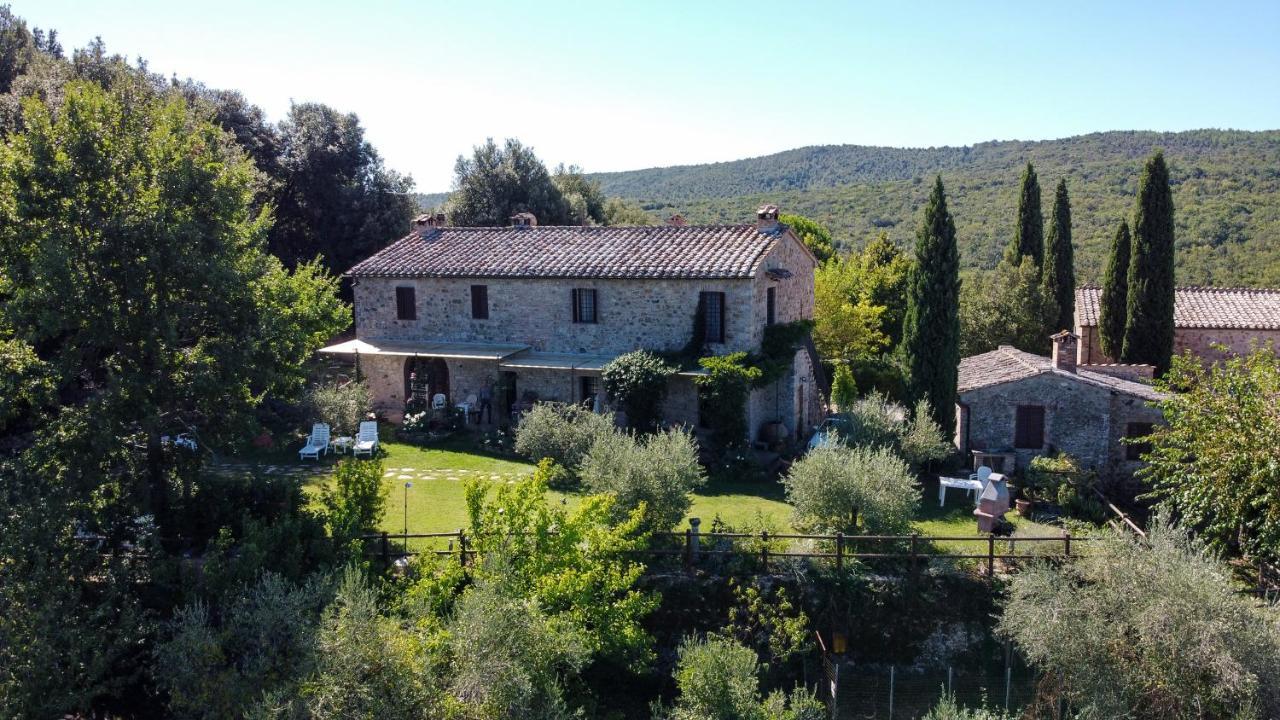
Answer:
(1064, 351)
(426, 222)
(677, 220)
(524, 219)
(767, 218)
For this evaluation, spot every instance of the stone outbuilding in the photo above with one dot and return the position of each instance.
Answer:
(535, 311)
(1203, 317)
(1018, 405)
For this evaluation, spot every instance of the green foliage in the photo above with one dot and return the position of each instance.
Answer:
(26, 383)
(814, 236)
(1113, 307)
(716, 677)
(571, 563)
(1005, 306)
(778, 350)
(355, 503)
(1058, 273)
(17, 46)
(1148, 330)
(948, 709)
(1228, 222)
(860, 301)
(342, 406)
(218, 662)
(1028, 231)
(1059, 480)
(654, 474)
(563, 432)
(498, 182)
(586, 203)
(844, 390)
(931, 329)
(1216, 464)
(773, 625)
(723, 393)
(624, 212)
(637, 382)
(875, 421)
(1147, 630)
(836, 488)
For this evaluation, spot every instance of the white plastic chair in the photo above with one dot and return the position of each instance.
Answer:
(983, 474)
(437, 401)
(316, 444)
(366, 439)
(467, 406)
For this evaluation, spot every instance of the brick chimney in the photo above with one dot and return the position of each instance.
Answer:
(1065, 345)
(767, 218)
(424, 223)
(676, 220)
(524, 219)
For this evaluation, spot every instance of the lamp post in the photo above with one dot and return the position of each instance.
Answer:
(407, 485)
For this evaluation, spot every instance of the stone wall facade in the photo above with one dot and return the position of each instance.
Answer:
(631, 314)
(1199, 341)
(1082, 420)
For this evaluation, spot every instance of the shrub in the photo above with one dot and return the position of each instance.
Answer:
(717, 680)
(722, 396)
(342, 406)
(844, 390)
(1148, 629)
(356, 502)
(657, 472)
(948, 709)
(561, 432)
(637, 382)
(876, 421)
(852, 489)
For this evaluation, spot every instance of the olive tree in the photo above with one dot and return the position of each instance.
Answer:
(657, 472)
(836, 488)
(560, 431)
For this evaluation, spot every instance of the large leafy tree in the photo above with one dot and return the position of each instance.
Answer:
(860, 301)
(1148, 331)
(1113, 306)
(1005, 306)
(1028, 234)
(17, 45)
(814, 235)
(336, 199)
(586, 201)
(931, 329)
(498, 182)
(134, 266)
(1058, 273)
(1216, 464)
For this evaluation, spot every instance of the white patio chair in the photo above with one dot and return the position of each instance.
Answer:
(316, 444)
(366, 439)
(437, 401)
(467, 407)
(983, 474)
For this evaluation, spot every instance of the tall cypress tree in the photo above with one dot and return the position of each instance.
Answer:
(1028, 234)
(1113, 307)
(1058, 275)
(1148, 330)
(931, 328)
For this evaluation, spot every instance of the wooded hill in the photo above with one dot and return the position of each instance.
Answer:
(1226, 187)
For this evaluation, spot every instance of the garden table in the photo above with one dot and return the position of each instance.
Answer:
(973, 486)
(343, 444)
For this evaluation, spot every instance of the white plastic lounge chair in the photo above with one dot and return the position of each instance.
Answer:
(366, 439)
(316, 444)
(438, 401)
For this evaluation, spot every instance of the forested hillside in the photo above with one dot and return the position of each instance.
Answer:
(1226, 190)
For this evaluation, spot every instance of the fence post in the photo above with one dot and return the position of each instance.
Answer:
(688, 548)
(764, 549)
(695, 526)
(911, 564)
(991, 555)
(462, 547)
(891, 669)
(840, 556)
(1066, 542)
(386, 550)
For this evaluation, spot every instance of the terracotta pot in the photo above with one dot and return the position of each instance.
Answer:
(1024, 507)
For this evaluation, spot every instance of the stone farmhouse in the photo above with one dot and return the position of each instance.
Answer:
(1015, 405)
(529, 312)
(1202, 317)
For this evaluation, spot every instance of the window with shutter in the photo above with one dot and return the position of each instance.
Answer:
(584, 305)
(479, 302)
(713, 316)
(406, 304)
(770, 306)
(1028, 433)
(1135, 451)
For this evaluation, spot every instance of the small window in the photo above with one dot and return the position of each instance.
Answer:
(479, 302)
(1135, 451)
(713, 316)
(584, 305)
(1028, 431)
(770, 306)
(406, 304)
(588, 387)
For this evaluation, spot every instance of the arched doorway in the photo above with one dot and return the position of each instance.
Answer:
(424, 378)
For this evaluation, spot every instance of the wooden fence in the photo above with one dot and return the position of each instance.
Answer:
(693, 547)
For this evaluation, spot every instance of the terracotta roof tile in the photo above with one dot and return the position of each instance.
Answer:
(1203, 307)
(1008, 364)
(661, 251)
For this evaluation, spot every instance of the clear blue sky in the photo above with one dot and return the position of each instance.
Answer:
(613, 85)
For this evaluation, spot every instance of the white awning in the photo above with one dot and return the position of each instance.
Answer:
(530, 360)
(453, 351)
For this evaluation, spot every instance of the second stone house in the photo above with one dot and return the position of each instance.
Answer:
(528, 312)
